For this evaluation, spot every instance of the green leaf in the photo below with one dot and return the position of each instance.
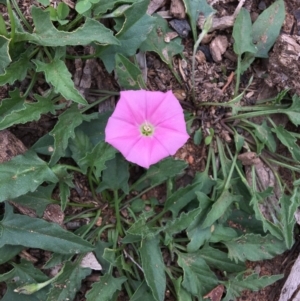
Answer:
(129, 75)
(44, 2)
(4, 54)
(290, 141)
(181, 293)
(254, 247)
(47, 35)
(68, 283)
(154, 267)
(181, 198)
(182, 222)
(17, 70)
(62, 10)
(257, 199)
(266, 28)
(289, 205)
(37, 233)
(8, 252)
(293, 111)
(104, 5)
(264, 134)
(252, 282)
(143, 292)
(162, 171)
(219, 260)
(97, 158)
(23, 273)
(198, 278)
(83, 6)
(16, 110)
(193, 9)
(155, 42)
(134, 31)
(80, 145)
(22, 174)
(58, 75)
(219, 207)
(37, 200)
(64, 130)
(242, 34)
(116, 175)
(105, 288)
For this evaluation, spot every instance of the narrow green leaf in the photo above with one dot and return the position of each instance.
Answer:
(104, 5)
(264, 134)
(161, 171)
(134, 31)
(219, 207)
(37, 233)
(58, 75)
(198, 278)
(181, 293)
(17, 70)
(293, 111)
(252, 282)
(289, 205)
(37, 200)
(219, 260)
(22, 174)
(193, 9)
(287, 139)
(68, 283)
(47, 35)
(4, 54)
(153, 266)
(267, 26)
(182, 222)
(256, 200)
(155, 42)
(97, 157)
(181, 198)
(64, 130)
(116, 175)
(242, 34)
(129, 75)
(7, 252)
(16, 110)
(105, 288)
(254, 247)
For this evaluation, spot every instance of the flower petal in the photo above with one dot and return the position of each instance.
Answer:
(147, 151)
(168, 107)
(121, 134)
(171, 139)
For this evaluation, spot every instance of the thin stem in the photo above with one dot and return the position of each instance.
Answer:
(238, 76)
(32, 82)
(91, 224)
(16, 7)
(94, 104)
(117, 212)
(12, 21)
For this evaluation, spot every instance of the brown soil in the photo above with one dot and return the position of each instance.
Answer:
(214, 82)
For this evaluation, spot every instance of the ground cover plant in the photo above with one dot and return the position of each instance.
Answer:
(194, 241)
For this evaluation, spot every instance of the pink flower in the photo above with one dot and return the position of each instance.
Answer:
(146, 126)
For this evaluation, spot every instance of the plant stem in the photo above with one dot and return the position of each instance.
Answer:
(238, 76)
(117, 212)
(12, 22)
(32, 82)
(16, 7)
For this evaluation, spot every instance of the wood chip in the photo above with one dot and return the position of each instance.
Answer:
(218, 47)
(177, 9)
